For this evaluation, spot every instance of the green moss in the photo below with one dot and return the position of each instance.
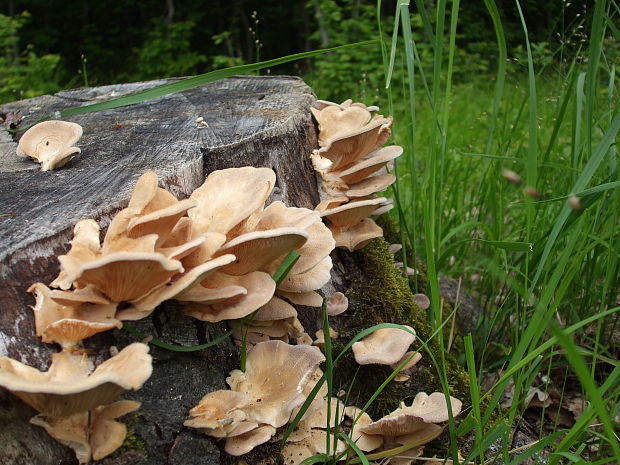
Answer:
(132, 442)
(380, 294)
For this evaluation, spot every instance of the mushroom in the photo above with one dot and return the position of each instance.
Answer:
(50, 143)
(405, 420)
(272, 403)
(357, 236)
(403, 374)
(69, 386)
(92, 435)
(337, 304)
(384, 346)
(70, 324)
(366, 442)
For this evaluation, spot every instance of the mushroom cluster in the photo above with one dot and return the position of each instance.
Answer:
(409, 426)
(353, 166)
(50, 143)
(261, 399)
(75, 401)
(230, 212)
(215, 251)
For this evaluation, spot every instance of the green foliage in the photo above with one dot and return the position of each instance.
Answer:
(167, 51)
(23, 73)
(338, 76)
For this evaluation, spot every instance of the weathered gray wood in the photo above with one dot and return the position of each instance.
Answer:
(251, 121)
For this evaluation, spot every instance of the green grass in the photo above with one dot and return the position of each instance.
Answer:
(543, 257)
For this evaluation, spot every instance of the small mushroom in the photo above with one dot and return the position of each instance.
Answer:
(337, 304)
(50, 143)
(384, 346)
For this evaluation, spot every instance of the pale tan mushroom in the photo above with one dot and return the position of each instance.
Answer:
(225, 297)
(92, 435)
(357, 236)
(375, 161)
(337, 304)
(213, 414)
(309, 299)
(69, 386)
(230, 196)
(366, 442)
(384, 346)
(316, 443)
(345, 150)
(244, 443)
(352, 213)
(70, 324)
(336, 122)
(50, 143)
(370, 185)
(256, 250)
(403, 374)
(406, 420)
(275, 376)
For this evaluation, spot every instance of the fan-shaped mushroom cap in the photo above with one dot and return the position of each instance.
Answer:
(370, 185)
(50, 143)
(153, 210)
(69, 324)
(434, 408)
(344, 151)
(249, 292)
(407, 420)
(330, 203)
(275, 376)
(422, 436)
(143, 307)
(376, 160)
(244, 443)
(120, 276)
(315, 278)
(107, 435)
(275, 309)
(213, 412)
(309, 299)
(95, 435)
(69, 387)
(351, 213)
(296, 452)
(258, 249)
(71, 431)
(357, 236)
(336, 122)
(414, 357)
(384, 346)
(366, 442)
(229, 196)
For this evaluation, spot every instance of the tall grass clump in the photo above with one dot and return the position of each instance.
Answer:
(510, 181)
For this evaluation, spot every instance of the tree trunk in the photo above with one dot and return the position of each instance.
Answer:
(250, 121)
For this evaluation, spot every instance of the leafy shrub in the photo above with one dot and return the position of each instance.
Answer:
(167, 51)
(23, 74)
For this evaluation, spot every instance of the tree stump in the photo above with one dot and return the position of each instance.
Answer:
(257, 121)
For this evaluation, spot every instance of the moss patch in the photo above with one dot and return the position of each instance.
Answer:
(378, 293)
